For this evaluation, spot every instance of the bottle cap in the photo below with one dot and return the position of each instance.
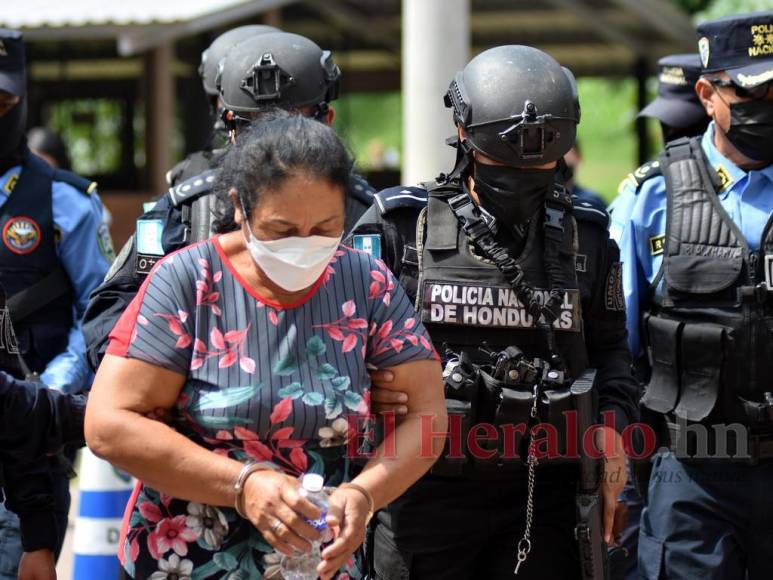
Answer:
(313, 482)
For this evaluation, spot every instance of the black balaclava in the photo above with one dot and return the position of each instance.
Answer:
(13, 145)
(512, 195)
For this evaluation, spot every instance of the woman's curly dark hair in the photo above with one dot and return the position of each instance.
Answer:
(276, 146)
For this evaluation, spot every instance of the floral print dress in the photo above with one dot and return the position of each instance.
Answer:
(264, 382)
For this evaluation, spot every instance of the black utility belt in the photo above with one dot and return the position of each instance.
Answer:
(734, 442)
(491, 425)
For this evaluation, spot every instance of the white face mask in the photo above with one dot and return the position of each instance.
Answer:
(293, 263)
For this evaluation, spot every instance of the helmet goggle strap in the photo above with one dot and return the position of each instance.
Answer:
(266, 80)
(529, 132)
(332, 75)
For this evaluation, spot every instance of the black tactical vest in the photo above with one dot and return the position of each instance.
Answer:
(709, 333)
(27, 257)
(465, 301)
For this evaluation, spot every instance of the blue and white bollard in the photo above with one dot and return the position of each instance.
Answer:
(104, 493)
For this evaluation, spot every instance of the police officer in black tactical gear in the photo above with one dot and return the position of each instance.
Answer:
(54, 250)
(521, 293)
(200, 161)
(274, 69)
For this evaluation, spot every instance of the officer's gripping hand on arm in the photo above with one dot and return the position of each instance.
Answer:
(35, 421)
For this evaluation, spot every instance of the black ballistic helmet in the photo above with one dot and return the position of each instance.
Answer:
(211, 57)
(277, 69)
(517, 105)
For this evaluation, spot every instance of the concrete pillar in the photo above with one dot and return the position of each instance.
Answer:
(436, 44)
(159, 115)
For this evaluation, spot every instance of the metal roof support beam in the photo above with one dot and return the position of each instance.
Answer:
(596, 21)
(436, 43)
(350, 22)
(145, 38)
(666, 18)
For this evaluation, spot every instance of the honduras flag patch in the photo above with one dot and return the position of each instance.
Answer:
(370, 244)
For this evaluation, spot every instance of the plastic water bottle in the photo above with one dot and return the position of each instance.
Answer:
(304, 566)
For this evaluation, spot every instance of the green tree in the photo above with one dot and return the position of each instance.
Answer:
(720, 8)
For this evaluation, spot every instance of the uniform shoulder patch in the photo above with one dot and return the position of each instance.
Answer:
(401, 197)
(615, 300)
(368, 243)
(642, 174)
(80, 183)
(192, 188)
(590, 212)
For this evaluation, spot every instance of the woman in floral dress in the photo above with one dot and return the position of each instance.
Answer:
(256, 346)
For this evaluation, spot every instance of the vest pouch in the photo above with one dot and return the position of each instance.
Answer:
(663, 338)
(462, 389)
(553, 408)
(702, 275)
(760, 366)
(702, 360)
(508, 410)
(454, 458)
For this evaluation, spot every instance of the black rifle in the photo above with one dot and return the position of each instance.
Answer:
(589, 530)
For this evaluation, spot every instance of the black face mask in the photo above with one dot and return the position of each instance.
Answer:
(512, 195)
(751, 129)
(11, 132)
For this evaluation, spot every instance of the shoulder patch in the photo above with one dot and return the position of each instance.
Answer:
(192, 188)
(80, 183)
(587, 211)
(615, 299)
(368, 243)
(401, 197)
(642, 174)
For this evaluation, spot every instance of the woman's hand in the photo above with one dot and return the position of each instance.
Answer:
(274, 506)
(346, 516)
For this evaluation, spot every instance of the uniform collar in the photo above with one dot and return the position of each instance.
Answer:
(729, 173)
(8, 181)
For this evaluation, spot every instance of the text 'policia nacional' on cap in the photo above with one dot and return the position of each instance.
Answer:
(740, 45)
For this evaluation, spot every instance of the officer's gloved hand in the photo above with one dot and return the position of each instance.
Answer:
(384, 397)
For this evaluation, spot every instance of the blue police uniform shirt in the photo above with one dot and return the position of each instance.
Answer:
(639, 223)
(84, 251)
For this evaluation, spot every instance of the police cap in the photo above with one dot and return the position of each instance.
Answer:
(12, 75)
(677, 103)
(741, 45)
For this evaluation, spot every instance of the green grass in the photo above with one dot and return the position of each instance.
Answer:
(607, 134)
(371, 123)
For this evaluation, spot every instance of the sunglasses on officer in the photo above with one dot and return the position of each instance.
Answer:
(755, 93)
